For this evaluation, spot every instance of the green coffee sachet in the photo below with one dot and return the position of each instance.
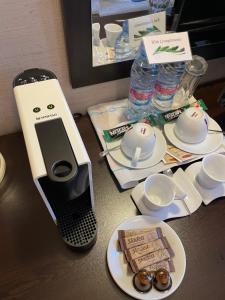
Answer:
(160, 119)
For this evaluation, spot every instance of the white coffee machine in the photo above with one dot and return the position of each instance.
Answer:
(59, 162)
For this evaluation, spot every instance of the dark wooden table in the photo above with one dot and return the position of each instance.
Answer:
(36, 264)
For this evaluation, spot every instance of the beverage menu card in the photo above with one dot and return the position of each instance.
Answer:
(146, 25)
(167, 48)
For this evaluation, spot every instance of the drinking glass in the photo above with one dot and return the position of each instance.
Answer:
(194, 70)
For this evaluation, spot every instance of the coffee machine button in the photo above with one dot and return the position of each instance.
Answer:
(36, 109)
(44, 77)
(22, 81)
(50, 106)
(32, 79)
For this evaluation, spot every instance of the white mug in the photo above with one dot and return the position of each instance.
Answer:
(159, 191)
(212, 172)
(112, 32)
(138, 142)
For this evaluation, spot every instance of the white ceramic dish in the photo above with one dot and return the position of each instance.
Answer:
(179, 208)
(138, 142)
(208, 195)
(157, 155)
(2, 167)
(122, 274)
(210, 144)
(159, 191)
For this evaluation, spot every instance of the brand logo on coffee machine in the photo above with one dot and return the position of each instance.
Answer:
(46, 117)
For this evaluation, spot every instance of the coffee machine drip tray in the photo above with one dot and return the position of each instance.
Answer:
(78, 229)
(75, 217)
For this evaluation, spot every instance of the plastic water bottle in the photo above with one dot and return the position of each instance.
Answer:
(122, 46)
(167, 84)
(142, 81)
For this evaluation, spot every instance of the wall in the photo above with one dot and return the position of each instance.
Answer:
(31, 35)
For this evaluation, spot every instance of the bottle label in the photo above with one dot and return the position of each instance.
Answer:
(141, 96)
(165, 91)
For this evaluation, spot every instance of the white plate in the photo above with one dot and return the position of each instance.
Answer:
(157, 155)
(2, 167)
(208, 195)
(123, 276)
(210, 144)
(179, 208)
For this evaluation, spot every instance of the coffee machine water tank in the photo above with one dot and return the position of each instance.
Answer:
(60, 165)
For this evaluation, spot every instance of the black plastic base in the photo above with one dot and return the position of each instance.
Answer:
(79, 230)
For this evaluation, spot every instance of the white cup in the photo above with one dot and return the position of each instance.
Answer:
(95, 34)
(138, 142)
(112, 32)
(159, 191)
(212, 172)
(192, 126)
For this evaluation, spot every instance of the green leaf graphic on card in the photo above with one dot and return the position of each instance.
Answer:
(147, 31)
(155, 28)
(168, 49)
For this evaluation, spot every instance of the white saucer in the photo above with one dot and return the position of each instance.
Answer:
(157, 155)
(2, 167)
(208, 195)
(179, 208)
(120, 271)
(210, 144)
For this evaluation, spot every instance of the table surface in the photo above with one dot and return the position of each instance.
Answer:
(35, 263)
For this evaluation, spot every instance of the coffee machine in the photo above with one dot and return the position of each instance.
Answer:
(60, 165)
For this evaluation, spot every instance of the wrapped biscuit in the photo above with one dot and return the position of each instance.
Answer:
(131, 232)
(140, 239)
(164, 264)
(144, 249)
(150, 259)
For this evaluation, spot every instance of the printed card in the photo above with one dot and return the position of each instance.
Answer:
(146, 25)
(166, 48)
(168, 159)
(179, 154)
